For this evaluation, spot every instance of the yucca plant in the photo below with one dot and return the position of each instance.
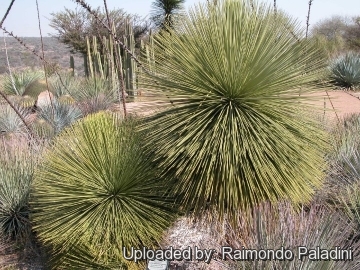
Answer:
(16, 172)
(345, 71)
(165, 12)
(17, 82)
(96, 192)
(66, 85)
(10, 122)
(95, 94)
(233, 137)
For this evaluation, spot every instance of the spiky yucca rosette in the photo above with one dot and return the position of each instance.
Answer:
(234, 135)
(96, 192)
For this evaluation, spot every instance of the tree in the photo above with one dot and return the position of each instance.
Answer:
(235, 135)
(164, 12)
(352, 34)
(331, 27)
(72, 26)
(337, 34)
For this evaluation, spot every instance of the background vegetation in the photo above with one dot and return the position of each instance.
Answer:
(233, 148)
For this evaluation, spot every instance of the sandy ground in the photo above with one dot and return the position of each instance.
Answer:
(334, 104)
(337, 104)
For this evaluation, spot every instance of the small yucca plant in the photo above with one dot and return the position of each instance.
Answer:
(94, 95)
(10, 122)
(18, 82)
(16, 172)
(345, 71)
(233, 136)
(96, 192)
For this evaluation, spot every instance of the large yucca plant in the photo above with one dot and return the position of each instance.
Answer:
(96, 192)
(345, 70)
(233, 137)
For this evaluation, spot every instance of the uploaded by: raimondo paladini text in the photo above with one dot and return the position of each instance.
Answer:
(242, 254)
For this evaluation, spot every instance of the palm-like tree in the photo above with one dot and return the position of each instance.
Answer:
(95, 193)
(234, 136)
(164, 12)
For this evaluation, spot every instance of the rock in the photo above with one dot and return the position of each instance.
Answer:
(44, 99)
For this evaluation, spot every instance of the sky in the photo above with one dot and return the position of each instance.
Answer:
(22, 20)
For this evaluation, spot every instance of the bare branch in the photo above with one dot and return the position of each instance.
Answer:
(308, 18)
(7, 13)
(275, 7)
(21, 42)
(43, 57)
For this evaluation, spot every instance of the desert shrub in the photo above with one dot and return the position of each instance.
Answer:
(16, 172)
(96, 192)
(345, 71)
(10, 122)
(275, 227)
(36, 87)
(64, 85)
(233, 137)
(18, 82)
(59, 115)
(95, 94)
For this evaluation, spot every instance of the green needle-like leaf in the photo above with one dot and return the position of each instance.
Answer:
(96, 192)
(235, 135)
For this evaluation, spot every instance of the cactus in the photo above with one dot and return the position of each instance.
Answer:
(101, 63)
(86, 66)
(72, 65)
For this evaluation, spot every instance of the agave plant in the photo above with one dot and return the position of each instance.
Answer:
(345, 71)
(96, 192)
(59, 115)
(233, 136)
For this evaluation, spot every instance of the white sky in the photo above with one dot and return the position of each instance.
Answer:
(22, 19)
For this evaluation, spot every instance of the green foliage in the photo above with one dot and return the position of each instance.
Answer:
(332, 47)
(10, 122)
(233, 137)
(18, 82)
(165, 12)
(273, 228)
(67, 85)
(96, 192)
(36, 87)
(95, 94)
(72, 26)
(345, 71)
(16, 172)
(59, 115)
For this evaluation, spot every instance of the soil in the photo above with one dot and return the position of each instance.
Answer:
(337, 104)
